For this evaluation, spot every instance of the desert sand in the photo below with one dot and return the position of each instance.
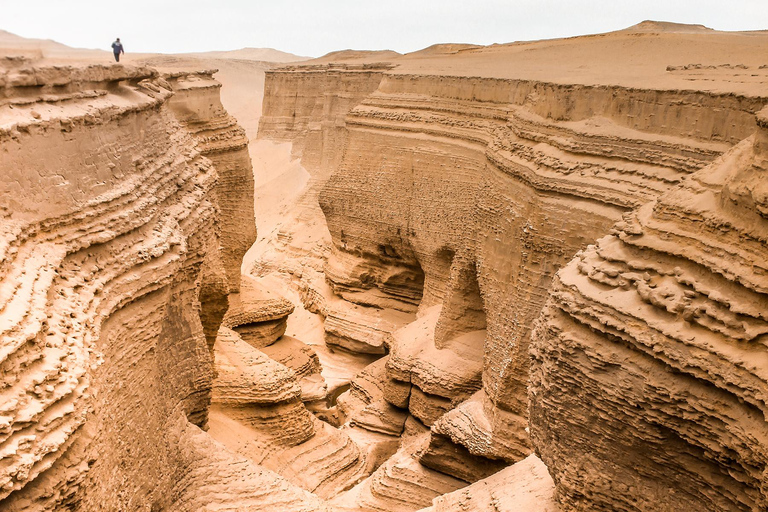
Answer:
(517, 277)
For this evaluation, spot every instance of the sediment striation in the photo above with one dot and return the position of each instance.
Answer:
(652, 341)
(460, 189)
(549, 279)
(116, 263)
(525, 486)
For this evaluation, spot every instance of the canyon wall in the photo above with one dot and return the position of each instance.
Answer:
(314, 101)
(649, 357)
(525, 262)
(458, 198)
(120, 194)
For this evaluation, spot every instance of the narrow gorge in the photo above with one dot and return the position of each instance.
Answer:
(521, 277)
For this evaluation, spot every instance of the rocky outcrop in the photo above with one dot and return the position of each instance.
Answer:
(438, 376)
(209, 478)
(401, 483)
(111, 275)
(259, 392)
(258, 412)
(303, 360)
(500, 192)
(361, 329)
(528, 186)
(364, 404)
(522, 487)
(306, 105)
(258, 315)
(196, 104)
(311, 112)
(458, 196)
(648, 358)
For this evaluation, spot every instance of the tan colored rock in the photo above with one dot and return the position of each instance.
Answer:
(324, 463)
(258, 315)
(259, 392)
(440, 377)
(380, 416)
(445, 456)
(361, 329)
(321, 90)
(197, 105)
(365, 388)
(109, 253)
(401, 484)
(375, 447)
(294, 354)
(258, 413)
(212, 478)
(456, 182)
(482, 182)
(303, 360)
(523, 487)
(486, 431)
(648, 363)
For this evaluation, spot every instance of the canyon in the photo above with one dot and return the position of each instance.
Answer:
(525, 276)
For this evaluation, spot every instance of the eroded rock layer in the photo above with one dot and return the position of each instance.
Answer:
(477, 190)
(197, 105)
(458, 196)
(653, 342)
(313, 101)
(523, 487)
(109, 248)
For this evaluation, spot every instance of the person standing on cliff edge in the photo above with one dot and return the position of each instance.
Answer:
(117, 48)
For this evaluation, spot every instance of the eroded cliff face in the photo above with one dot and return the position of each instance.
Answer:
(115, 182)
(653, 342)
(456, 199)
(313, 102)
(454, 194)
(489, 186)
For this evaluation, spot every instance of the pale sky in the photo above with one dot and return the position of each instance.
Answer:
(315, 27)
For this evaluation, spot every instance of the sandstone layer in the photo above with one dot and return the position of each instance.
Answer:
(457, 182)
(522, 487)
(114, 269)
(555, 247)
(652, 341)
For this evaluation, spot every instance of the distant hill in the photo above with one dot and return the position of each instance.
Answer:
(651, 26)
(52, 49)
(357, 55)
(10, 40)
(11, 44)
(444, 49)
(260, 54)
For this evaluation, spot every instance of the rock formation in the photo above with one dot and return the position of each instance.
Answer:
(652, 342)
(258, 315)
(517, 277)
(455, 189)
(113, 272)
(525, 486)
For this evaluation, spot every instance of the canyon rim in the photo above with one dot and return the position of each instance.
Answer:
(518, 277)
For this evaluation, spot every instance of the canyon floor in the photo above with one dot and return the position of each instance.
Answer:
(518, 277)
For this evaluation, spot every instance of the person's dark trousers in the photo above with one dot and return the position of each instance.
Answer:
(117, 57)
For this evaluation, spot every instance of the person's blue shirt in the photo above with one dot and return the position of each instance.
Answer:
(117, 48)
